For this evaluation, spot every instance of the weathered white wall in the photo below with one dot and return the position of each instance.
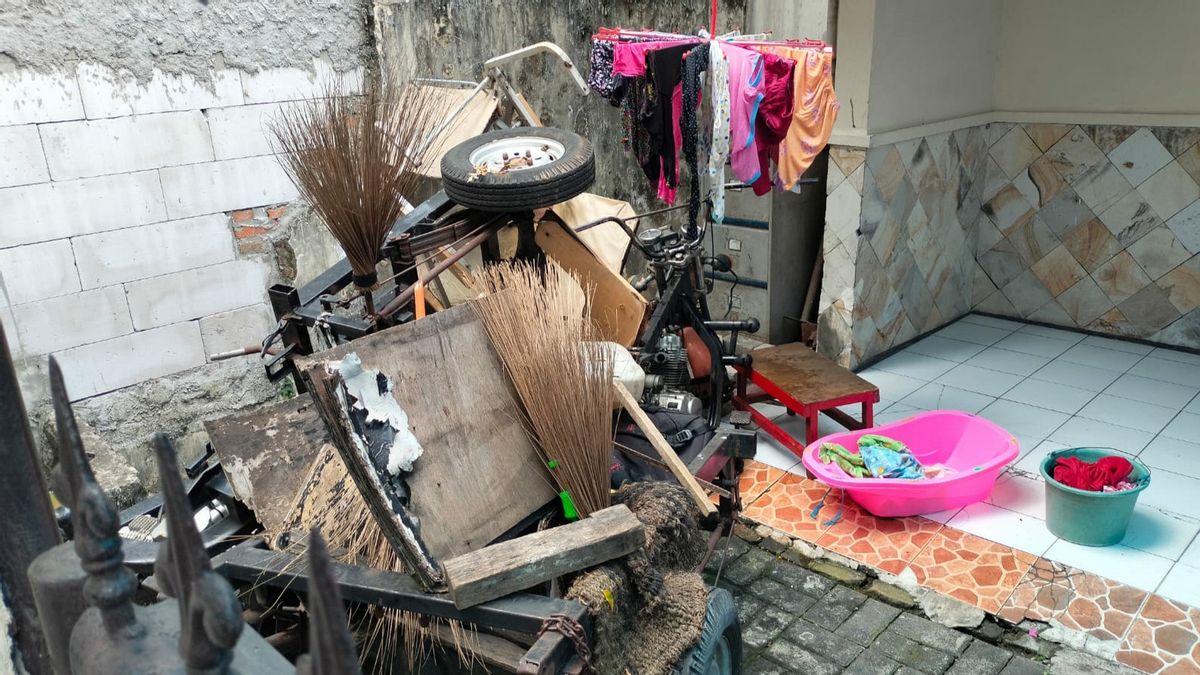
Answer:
(932, 60)
(1099, 56)
(854, 42)
(142, 213)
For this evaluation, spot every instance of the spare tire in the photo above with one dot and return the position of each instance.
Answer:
(518, 169)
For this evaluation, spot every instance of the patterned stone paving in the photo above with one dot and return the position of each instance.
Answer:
(1153, 634)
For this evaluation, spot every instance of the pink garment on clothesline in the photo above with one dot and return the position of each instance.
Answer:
(629, 58)
(746, 92)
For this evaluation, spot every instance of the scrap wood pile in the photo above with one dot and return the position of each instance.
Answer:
(427, 441)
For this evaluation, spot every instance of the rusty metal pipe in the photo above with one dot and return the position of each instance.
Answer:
(406, 296)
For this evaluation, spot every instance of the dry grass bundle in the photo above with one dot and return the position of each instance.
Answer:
(330, 501)
(355, 159)
(563, 380)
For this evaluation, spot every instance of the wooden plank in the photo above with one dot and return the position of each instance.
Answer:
(808, 376)
(678, 469)
(617, 307)
(480, 474)
(521, 563)
(267, 454)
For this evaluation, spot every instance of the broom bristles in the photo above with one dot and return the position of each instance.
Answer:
(562, 378)
(355, 158)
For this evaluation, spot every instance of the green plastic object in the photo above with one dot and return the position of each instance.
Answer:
(1090, 518)
(568, 505)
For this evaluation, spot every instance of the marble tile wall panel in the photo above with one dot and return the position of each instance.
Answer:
(1107, 221)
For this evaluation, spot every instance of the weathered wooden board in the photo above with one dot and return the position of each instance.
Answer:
(665, 451)
(517, 564)
(617, 308)
(480, 473)
(267, 454)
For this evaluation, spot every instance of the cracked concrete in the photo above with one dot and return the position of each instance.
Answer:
(190, 37)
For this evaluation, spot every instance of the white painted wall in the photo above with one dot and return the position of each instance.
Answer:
(117, 251)
(1111, 56)
(853, 45)
(931, 60)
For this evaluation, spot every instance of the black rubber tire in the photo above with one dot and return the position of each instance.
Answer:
(720, 623)
(525, 190)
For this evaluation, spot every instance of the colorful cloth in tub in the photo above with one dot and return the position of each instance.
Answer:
(877, 457)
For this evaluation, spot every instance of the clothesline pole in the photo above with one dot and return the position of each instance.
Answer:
(712, 31)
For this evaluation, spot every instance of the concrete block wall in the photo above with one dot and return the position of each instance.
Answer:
(125, 245)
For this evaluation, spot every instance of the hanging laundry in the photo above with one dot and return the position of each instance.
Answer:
(718, 74)
(814, 109)
(695, 64)
(664, 72)
(745, 95)
(774, 115)
(629, 58)
(601, 77)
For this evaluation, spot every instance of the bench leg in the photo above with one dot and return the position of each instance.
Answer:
(868, 415)
(810, 426)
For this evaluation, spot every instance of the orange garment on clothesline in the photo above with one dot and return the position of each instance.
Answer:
(813, 111)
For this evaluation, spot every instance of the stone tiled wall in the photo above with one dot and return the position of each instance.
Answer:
(1094, 227)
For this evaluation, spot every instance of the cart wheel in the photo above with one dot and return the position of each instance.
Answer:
(719, 649)
(555, 165)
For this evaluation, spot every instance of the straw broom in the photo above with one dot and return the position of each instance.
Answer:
(563, 380)
(355, 159)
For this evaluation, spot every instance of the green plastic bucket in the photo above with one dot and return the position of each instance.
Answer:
(1090, 518)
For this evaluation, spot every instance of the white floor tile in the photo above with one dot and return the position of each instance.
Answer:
(993, 322)
(1180, 585)
(1194, 406)
(1172, 454)
(1080, 432)
(973, 332)
(1128, 413)
(1004, 527)
(980, 380)
(771, 453)
(1191, 557)
(1018, 418)
(1119, 345)
(1025, 443)
(1030, 463)
(1172, 492)
(1176, 355)
(1007, 361)
(917, 366)
(1042, 394)
(942, 516)
(935, 396)
(1076, 375)
(1098, 357)
(1158, 532)
(897, 412)
(1038, 345)
(1020, 493)
(1157, 392)
(1055, 333)
(1119, 563)
(892, 387)
(1186, 427)
(945, 348)
(1167, 371)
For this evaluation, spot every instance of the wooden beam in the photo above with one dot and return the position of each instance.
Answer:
(491, 650)
(669, 457)
(517, 564)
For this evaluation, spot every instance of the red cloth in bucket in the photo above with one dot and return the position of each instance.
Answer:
(1076, 473)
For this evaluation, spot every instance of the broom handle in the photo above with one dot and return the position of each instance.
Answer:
(669, 457)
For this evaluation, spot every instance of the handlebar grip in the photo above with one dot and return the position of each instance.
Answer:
(749, 326)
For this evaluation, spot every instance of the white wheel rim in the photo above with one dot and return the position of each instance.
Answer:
(516, 154)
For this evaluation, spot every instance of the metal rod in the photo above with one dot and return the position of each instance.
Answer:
(406, 295)
(28, 527)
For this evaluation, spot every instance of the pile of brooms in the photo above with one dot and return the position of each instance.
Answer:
(355, 160)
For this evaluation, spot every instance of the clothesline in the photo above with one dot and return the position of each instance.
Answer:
(771, 105)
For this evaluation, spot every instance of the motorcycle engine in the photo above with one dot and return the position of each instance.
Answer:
(668, 376)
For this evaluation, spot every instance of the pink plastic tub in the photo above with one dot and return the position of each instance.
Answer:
(976, 448)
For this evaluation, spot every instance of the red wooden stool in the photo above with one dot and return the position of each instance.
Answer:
(805, 383)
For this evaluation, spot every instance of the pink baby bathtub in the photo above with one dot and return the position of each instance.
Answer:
(975, 448)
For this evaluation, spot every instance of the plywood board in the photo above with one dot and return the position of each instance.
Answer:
(267, 454)
(479, 473)
(617, 307)
(471, 121)
(608, 240)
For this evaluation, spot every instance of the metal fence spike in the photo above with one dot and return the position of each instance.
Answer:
(330, 644)
(109, 586)
(210, 616)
